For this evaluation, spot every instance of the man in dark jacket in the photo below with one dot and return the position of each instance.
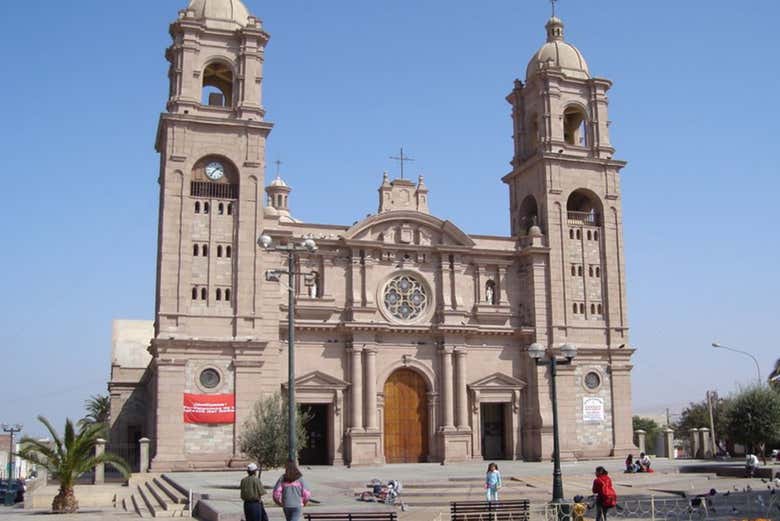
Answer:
(251, 492)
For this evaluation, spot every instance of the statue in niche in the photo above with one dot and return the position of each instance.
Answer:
(314, 283)
(490, 292)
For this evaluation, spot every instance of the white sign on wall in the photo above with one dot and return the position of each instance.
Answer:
(592, 409)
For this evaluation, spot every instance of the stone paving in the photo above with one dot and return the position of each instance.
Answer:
(88, 514)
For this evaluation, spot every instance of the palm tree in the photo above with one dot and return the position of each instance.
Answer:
(98, 409)
(67, 458)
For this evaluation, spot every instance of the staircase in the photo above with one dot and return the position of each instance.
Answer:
(154, 495)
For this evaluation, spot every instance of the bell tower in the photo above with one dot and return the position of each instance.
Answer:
(565, 210)
(211, 142)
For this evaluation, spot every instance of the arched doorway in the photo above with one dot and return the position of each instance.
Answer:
(406, 418)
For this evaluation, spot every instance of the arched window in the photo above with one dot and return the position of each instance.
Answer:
(582, 309)
(219, 294)
(194, 293)
(579, 271)
(573, 270)
(221, 209)
(218, 85)
(578, 235)
(574, 126)
(583, 208)
(600, 309)
(571, 233)
(197, 206)
(230, 209)
(219, 250)
(203, 294)
(596, 235)
(590, 271)
(529, 214)
(574, 307)
(205, 207)
(593, 309)
(205, 250)
(490, 292)
(598, 271)
(228, 251)
(590, 235)
(227, 295)
(194, 250)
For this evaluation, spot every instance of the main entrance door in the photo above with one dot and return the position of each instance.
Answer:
(492, 430)
(406, 418)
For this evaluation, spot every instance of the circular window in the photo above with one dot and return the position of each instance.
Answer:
(209, 378)
(592, 380)
(405, 297)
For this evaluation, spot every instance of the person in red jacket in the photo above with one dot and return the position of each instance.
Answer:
(606, 497)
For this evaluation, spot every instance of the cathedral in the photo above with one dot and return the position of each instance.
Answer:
(411, 336)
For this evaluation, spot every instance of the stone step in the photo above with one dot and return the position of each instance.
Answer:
(170, 492)
(139, 507)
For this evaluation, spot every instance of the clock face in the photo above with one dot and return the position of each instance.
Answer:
(215, 171)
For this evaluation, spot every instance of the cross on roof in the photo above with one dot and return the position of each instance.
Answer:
(278, 164)
(402, 158)
(553, 2)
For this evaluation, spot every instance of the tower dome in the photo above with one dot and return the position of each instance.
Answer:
(224, 14)
(556, 54)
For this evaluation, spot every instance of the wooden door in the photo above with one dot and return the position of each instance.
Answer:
(406, 418)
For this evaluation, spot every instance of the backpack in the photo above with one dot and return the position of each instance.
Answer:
(608, 494)
(279, 491)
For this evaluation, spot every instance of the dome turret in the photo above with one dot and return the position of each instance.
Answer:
(558, 55)
(221, 14)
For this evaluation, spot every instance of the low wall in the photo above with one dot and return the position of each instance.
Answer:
(86, 495)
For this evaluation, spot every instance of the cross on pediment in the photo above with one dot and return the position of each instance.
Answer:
(402, 159)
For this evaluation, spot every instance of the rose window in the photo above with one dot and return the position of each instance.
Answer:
(405, 298)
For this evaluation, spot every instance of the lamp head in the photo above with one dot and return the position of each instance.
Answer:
(273, 276)
(536, 351)
(264, 241)
(715, 344)
(569, 351)
(310, 245)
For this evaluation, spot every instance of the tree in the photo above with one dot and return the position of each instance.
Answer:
(67, 458)
(753, 417)
(264, 435)
(651, 427)
(697, 415)
(98, 410)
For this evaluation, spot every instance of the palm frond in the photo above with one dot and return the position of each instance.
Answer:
(54, 435)
(70, 433)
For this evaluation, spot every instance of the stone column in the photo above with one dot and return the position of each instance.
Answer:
(371, 421)
(501, 297)
(100, 468)
(669, 443)
(169, 434)
(694, 438)
(461, 419)
(641, 439)
(143, 445)
(706, 447)
(356, 391)
(446, 387)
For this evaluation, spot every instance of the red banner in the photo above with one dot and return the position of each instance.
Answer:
(209, 408)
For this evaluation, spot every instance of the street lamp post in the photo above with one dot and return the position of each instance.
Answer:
(292, 250)
(755, 361)
(11, 489)
(537, 352)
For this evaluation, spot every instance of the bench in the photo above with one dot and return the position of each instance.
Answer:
(351, 516)
(512, 510)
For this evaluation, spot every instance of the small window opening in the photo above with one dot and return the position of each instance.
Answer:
(582, 309)
(574, 307)
(205, 250)
(578, 235)
(595, 235)
(598, 271)
(205, 207)
(574, 126)
(590, 271)
(579, 271)
(194, 293)
(227, 295)
(197, 206)
(600, 309)
(194, 250)
(571, 233)
(230, 209)
(593, 309)
(219, 250)
(590, 235)
(219, 294)
(221, 210)
(573, 270)
(203, 294)
(218, 85)
(228, 251)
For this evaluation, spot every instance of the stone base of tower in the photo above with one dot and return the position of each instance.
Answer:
(365, 448)
(455, 446)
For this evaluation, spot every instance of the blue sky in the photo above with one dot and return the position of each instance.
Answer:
(693, 111)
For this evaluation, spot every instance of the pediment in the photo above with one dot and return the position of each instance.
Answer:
(498, 381)
(409, 227)
(318, 380)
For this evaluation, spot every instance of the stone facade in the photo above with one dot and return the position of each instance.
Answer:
(411, 335)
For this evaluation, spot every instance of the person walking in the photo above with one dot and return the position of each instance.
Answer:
(251, 494)
(492, 482)
(606, 497)
(291, 492)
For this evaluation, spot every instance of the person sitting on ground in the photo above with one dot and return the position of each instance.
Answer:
(630, 467)
(751, 464)
(644, 462)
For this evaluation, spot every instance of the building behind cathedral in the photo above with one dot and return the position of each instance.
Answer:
(412, 336)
